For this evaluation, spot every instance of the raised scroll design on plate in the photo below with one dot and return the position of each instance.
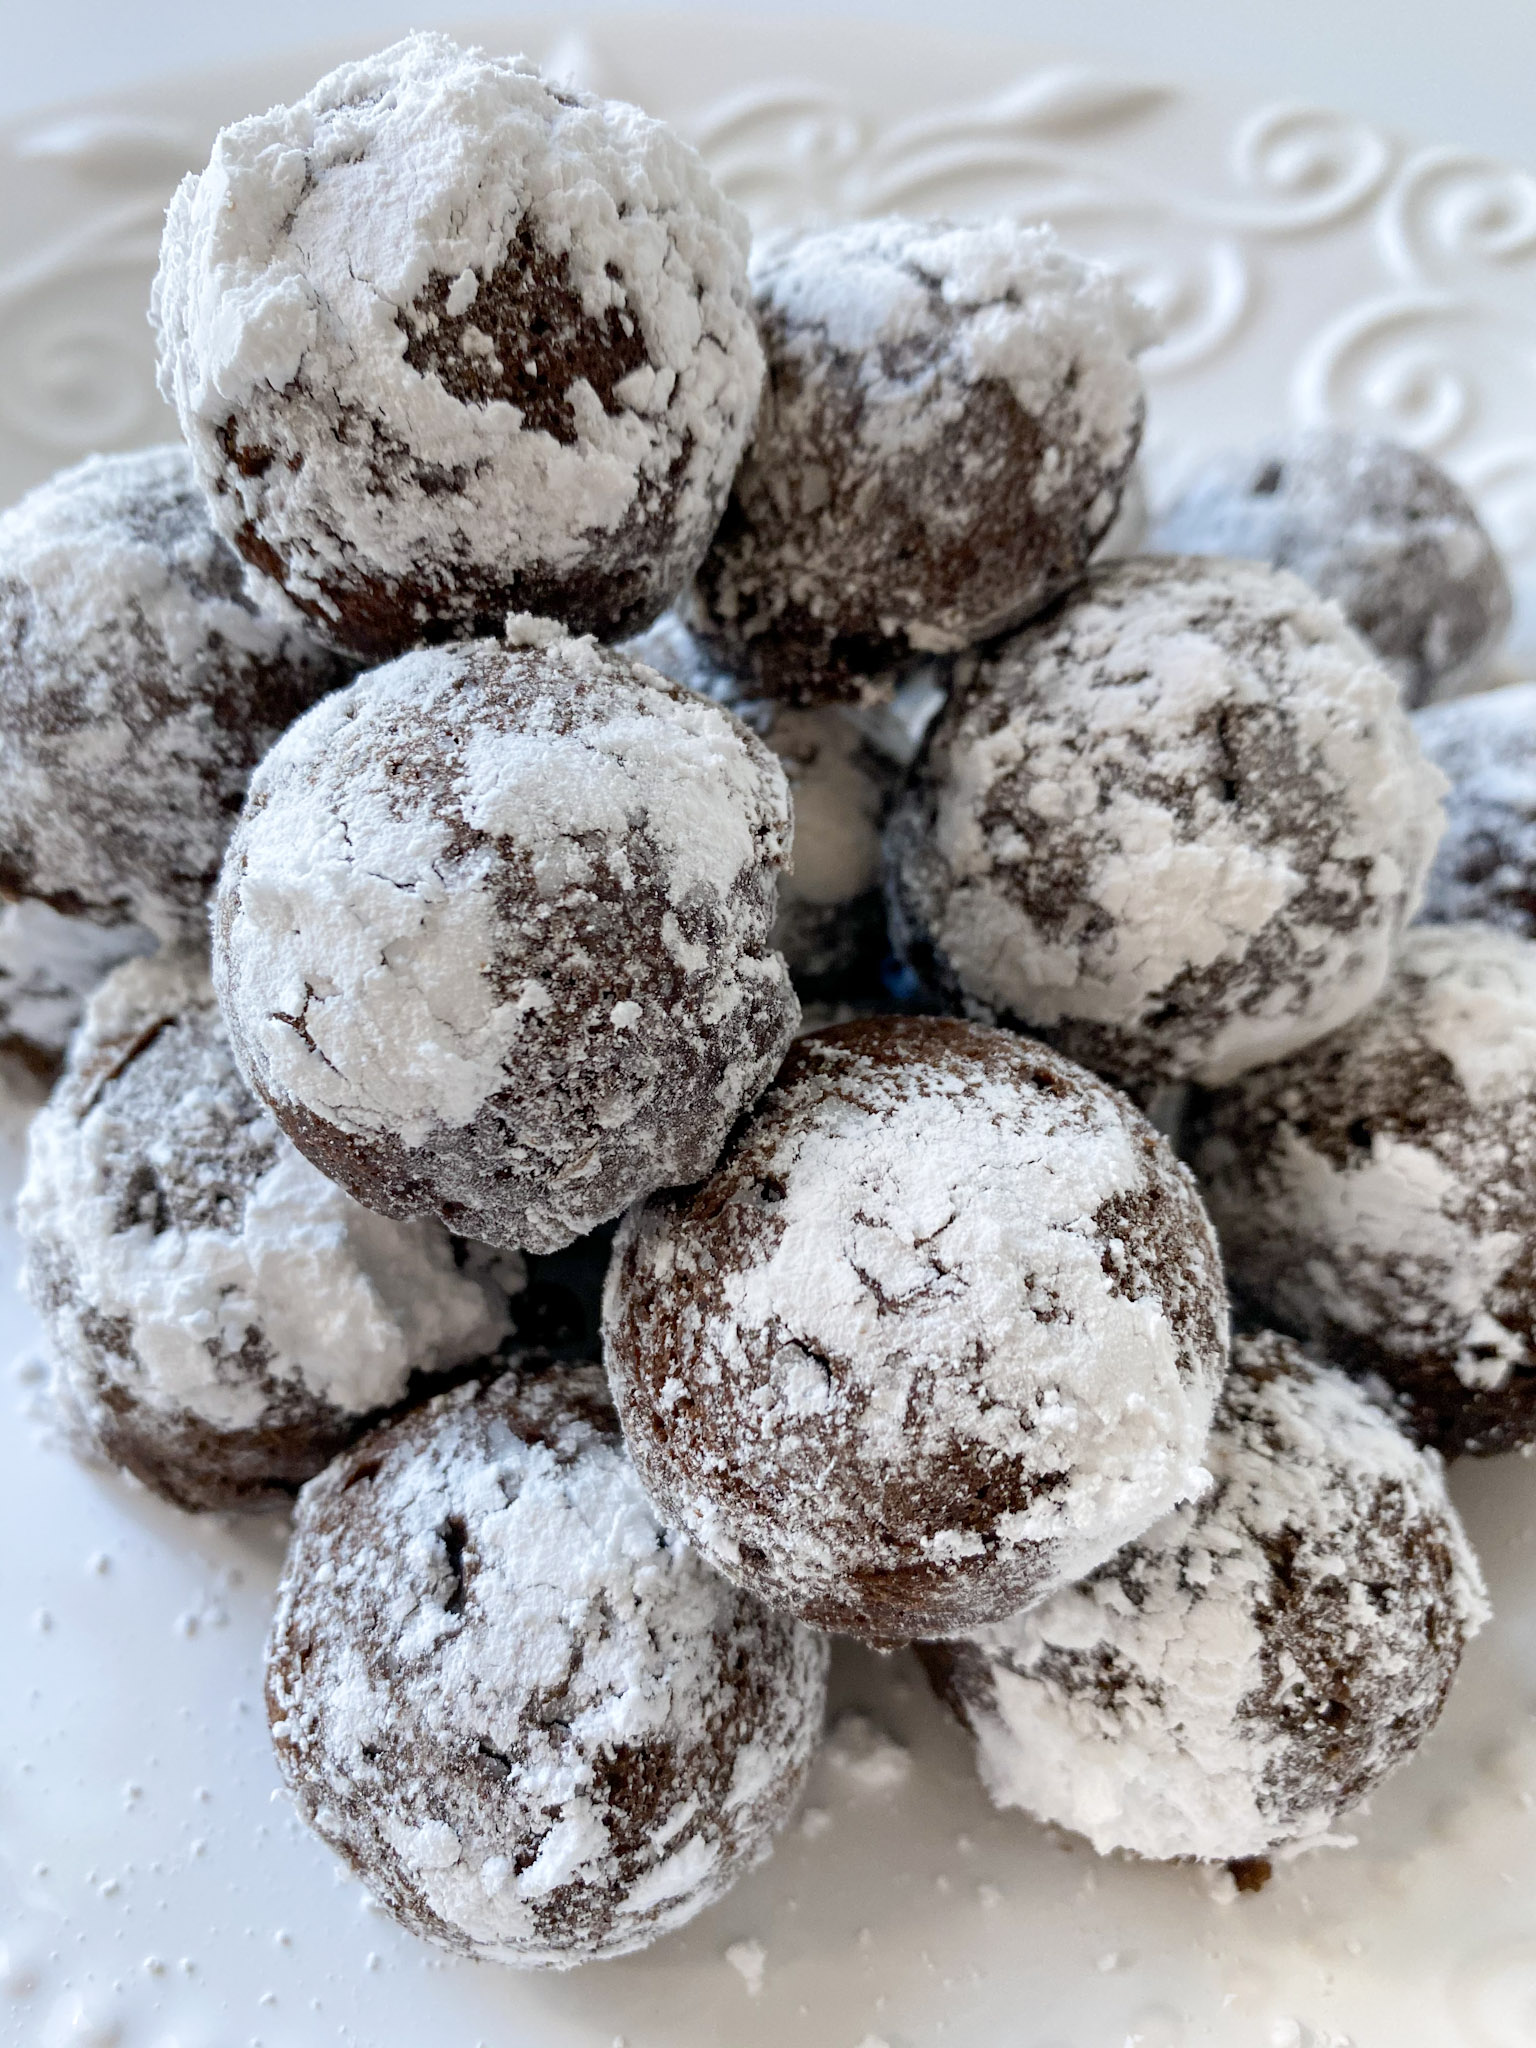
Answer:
(1045, 149)
(1431, 335)
(77, 359)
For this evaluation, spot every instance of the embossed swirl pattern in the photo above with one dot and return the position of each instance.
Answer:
(1433, 339)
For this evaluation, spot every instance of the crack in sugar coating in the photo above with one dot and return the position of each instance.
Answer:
(493, 935)
(1176, 825)
(950, 415)
(1248, 1671)
(1485, 869)
(133, 660)
(1379, 528)
(943, 1329)
(449, 341)
(1376, 1191)
(533, 1721)
(222, 1320)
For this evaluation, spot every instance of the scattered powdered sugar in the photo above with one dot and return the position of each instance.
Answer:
(505, 910)
(190, 1264)
(1378, 527)
(533, 1720)
(749, 1959)
(1486, 866)
(863, 1757)
(48, 966)
(943, 1331)
(1253, 1666)
(1376, 1191)
(951, 412)
(134, 662)
(441, 333)
(1178, 825)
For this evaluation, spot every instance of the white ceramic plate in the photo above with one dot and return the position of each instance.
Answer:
(155, 1891)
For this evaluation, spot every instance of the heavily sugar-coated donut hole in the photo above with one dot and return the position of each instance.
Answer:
(492, 938)
(1377, 1192)
(951, 413)
(1378, 527)
(941, 1331)
(1249, 1670)
(1176, 826)
(487, 346)
(533, 1721)
(139, 686)
(222, 1318)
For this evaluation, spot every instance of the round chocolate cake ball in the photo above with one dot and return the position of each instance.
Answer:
(532, 1720)
(139, 686)
(492, 936)
(1379, 528)
(222, 1318)
(831, 920)
(1176, 825)
(1238, 1679)
(48, 966)
(950, 415)
(940, 1333)
(1378, 1192)
(1485, 869)
(448, 341)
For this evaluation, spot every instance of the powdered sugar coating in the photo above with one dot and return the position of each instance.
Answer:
(941, 1332)
(1485, 869)
(139, 685)
(1177, 825)
(831, 920)
(492, 937)
(1379, 528)
(532, 1720)
(448, 341)
(48, 966)
(950, 414)
(1378, 1191)
(1247, 1672)
(222, 1318)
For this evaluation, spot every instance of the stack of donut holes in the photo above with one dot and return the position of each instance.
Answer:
(723, 867)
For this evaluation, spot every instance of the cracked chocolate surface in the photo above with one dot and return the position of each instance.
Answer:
(943, 1328)
(1244, 1674)
(1176, 825)
(535, 1724)
(139, 686)
(221, 1320)
(950, 416)
(493, 938)
(1375, 1192)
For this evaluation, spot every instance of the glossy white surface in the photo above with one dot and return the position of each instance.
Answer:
(154, 1888)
